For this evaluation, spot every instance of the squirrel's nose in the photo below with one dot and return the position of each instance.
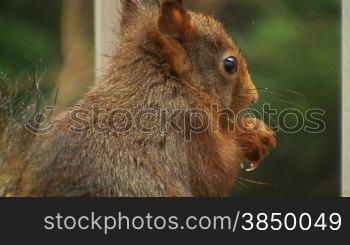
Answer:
(255, 98)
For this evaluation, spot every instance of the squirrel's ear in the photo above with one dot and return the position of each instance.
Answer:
(129, 7)
(175, 21)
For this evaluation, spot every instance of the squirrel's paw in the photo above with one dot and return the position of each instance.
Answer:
(256, 140)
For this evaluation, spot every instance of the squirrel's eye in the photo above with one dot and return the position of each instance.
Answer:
(230, 64)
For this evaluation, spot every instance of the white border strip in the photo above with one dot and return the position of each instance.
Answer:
(346, 101)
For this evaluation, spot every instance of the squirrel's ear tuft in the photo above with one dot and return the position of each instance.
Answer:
(129, 7)
(175, 21)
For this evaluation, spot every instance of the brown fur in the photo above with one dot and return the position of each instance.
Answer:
(3, 110)
(168, 58)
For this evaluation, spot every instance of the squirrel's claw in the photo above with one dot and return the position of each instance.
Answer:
(256, 140)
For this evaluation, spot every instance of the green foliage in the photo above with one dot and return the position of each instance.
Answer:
(29, 40)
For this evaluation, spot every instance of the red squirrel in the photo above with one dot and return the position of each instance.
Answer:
(168, 60)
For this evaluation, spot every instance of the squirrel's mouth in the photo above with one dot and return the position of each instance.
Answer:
(242, 104)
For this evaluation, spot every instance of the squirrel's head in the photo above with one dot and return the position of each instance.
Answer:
(195, 47)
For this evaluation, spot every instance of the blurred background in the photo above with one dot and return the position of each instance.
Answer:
(293, 48)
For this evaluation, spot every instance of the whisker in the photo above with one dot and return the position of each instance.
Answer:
(290, 103)
(284, 101)
(254, 182)
(241, 185)
(267, 91)
(280, 91)
(296, 93)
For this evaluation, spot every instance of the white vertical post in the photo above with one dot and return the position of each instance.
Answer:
(346, 100)
(106, 29)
